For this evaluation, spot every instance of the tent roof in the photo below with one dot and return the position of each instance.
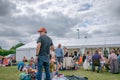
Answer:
(87, 43)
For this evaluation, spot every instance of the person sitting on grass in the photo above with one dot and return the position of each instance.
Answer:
(79, 61)
(6, 62)
(29, 71)
(113, 60)
(52, 67)
(107, 64)
(119, 60)
(96, 61)
(14, 62)
(25, 59)
(21, 65)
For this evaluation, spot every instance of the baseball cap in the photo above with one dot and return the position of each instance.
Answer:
(42, 29)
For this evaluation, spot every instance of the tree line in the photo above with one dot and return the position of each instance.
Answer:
(12, 50)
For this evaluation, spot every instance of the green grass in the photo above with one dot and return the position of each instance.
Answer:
(11, 73)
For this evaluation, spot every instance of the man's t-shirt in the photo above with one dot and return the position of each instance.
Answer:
(44, 52)
(96, 56)
(59, 52)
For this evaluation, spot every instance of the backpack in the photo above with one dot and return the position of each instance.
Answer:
(96, 62)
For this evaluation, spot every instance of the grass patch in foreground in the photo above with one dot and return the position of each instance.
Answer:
(11, 73)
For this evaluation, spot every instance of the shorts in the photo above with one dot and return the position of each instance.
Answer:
(60, 60)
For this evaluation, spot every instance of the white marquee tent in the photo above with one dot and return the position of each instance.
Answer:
(29, 50)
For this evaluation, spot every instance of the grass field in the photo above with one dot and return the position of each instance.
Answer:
(11, 73)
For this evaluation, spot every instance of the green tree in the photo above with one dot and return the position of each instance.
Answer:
(12, 50)
(16, 46)
(0, 47)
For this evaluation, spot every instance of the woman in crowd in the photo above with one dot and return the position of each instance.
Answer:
(107, 64)
(102, 60)
(84, 57)
(87, 62)
(66, 55)
(113, 62)
(119, 60)
(24, 59)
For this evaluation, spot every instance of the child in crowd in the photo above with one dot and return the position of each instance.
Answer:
(107, 63)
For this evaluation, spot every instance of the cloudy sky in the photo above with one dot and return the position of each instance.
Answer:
(20, 19)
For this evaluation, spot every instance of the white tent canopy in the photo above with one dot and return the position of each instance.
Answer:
(28, 50)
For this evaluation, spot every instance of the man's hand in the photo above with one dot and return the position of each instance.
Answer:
(36, 59)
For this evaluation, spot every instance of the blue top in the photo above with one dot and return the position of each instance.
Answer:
(20, 64)
(96, 56)
(119, 57)
(59, 52)
(33, 66)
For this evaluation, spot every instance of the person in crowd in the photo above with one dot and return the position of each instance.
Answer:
(42, 53)
(115, 51)
(66, 55)
(119, 56)
(14, 62)
(96, 61)
(31, 69)
(24, 59)
(59, 55)
(32, 59)
(31, 64)
(10, 61)
(89, 57)
(119, 60)
(75, 55)
(102, 60)
(5, 62)
(71, 55)
(118, 51)
(53, 67)
(21, 65)
(107, 64)
(87, 62)
(79, 61)
(113, 62)
(3, 59)
(52, 53)
(65, 50)
(84, 57)
(106, 52)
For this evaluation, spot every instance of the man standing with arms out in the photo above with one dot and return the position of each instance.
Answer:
(59, 54)
(42, 53)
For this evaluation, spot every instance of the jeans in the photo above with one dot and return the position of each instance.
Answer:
(93, 68)
(41, 63)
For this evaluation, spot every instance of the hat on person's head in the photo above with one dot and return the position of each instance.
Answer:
(42, 29)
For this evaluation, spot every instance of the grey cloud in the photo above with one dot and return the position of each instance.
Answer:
(6, 7)
(30, 1)
(114, 10)
(24, 26)
(20, 28)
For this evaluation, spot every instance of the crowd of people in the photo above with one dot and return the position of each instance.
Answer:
(88, 61)
(8, 61)
(110, 62)
(57, 59)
